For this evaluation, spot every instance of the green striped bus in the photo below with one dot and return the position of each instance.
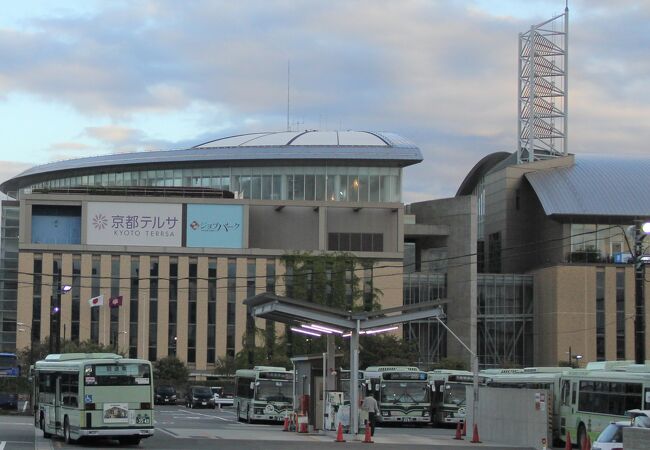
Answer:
(93, 395)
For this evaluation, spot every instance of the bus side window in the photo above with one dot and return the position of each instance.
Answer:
(574, 393)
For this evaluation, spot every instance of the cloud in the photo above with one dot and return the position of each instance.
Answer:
(441, 73)
(9, 169)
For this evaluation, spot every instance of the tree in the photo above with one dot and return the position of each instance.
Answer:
(40, 349)
(451, 363)
(386, 350)
(171, 370)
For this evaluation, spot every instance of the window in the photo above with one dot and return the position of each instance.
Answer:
(494, 252)
(620, 314)
(365, 242)
(600, 315)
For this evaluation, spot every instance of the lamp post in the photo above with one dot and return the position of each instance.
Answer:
(641, 230)
(578, 358)
(55, 318)
(116, 340)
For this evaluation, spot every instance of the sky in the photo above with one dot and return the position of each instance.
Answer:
(83, 78)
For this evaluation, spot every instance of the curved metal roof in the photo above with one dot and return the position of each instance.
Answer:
(596, 185)
(479, 170)
(305, 146)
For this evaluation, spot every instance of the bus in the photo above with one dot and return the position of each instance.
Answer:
(448, 395)
(263, 393)
(93, 395)
(590, 400)
(9, 366)
(402, 393)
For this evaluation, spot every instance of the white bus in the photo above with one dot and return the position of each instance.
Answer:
(591, 399)
(448, 395)
(263, 393)
(402, 393)
(93, 395)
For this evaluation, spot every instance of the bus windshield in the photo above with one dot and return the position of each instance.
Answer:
(274, 391)
(117, 375)
(404, 392)
(454, 394)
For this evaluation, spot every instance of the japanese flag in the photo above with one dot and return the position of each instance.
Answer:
(96, 301)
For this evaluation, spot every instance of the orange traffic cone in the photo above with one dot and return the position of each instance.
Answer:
(568, 445)
(368, 437)
(339, 434)
(459, 433)
(285, 427)
(475, 438)
(464, 429)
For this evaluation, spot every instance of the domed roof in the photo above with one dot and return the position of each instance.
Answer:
(310, 138)
(302, 147)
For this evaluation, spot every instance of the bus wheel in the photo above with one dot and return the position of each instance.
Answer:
(66, 431)
(582, 435)
(46, 435)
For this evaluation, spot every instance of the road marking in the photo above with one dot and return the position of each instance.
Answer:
(2, 445)
(171, 433)
(17, 423)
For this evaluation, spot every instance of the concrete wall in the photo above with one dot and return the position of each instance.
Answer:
(290, 228)
(565, 306)
(459, 214)
(636, 438)
(512, 209)
(512, 416)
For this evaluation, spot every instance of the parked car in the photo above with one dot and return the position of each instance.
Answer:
(611, 438)
(220, 397)
(165, 395)
(8, 400)
(199, 397)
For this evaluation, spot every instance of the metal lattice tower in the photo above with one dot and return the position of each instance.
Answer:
(543, 90)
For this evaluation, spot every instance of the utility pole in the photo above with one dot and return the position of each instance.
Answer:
(640, 230)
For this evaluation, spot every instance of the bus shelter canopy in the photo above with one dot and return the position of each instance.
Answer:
(292, 311)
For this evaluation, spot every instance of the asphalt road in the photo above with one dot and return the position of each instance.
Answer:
(178, 428)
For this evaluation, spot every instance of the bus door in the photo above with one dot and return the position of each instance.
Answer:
(57, 402)
(567, 400)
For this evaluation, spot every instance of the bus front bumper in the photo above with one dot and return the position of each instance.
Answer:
(110, 432)
(402, 419)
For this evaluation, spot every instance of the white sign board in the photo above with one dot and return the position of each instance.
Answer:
(150, 224)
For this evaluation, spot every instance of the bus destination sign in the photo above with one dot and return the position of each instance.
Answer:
(288, 376)
(404, 376)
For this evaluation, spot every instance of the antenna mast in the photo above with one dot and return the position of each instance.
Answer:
(288, 90)
(543, 90)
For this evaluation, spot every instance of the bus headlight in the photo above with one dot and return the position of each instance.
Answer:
(385, 413)
(425, 413)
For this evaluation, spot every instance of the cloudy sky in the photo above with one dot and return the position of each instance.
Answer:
(81, 78)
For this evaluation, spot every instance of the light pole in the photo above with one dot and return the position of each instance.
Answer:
(117, 340)
(55, 318)
(641, 230)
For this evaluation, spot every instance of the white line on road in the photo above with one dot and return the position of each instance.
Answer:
(2, 445)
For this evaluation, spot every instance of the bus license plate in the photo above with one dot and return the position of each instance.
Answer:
(204, 403)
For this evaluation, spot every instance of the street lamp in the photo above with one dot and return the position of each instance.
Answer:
(55, 301)
(117, 340)
(578, 358)
(641, 230)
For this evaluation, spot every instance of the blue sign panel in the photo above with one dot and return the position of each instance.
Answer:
(219, 226)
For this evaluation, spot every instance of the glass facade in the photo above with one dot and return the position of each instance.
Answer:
(8, 276)
(322, 183)
(600, 243)
(429, 336)
(505, 320)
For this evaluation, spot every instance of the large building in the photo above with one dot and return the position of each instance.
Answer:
(184, 236)
(552, 273)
